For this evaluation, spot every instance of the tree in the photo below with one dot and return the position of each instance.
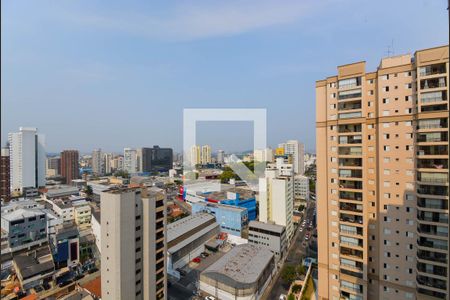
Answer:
(301, 269)
(296, 288)
(291, 297)
(122, 173)
(288, 274)
(88, 190)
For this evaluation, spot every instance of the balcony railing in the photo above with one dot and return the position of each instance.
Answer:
(432, 203)
(432, 256)
(432, 70)
(351, 219)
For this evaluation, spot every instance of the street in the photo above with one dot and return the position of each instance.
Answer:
(295, 254)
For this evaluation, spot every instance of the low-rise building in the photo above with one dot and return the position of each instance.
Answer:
(241, 274)
(269, 236)
(232, 219)
(62, 191)
(66, 245)
(186, 239)
(23, 228)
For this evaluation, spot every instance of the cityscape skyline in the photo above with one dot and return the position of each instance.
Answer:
(278, 60)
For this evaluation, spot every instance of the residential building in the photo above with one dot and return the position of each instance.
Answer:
(206, 155)
(53, 166)
(69, 165)
(27, 159)
(301, 187)
(186, 239)
(269, 236)
(242, 273)
(130, 160)
(157, 159)
(297, 150)
(117, 163)
(220, 156)
(276, 200)
(107, 157)
(232, 219)
(98, 163)
(263, 155)
(133, 244)
(23, 228)
(5, 184)
(382, 177)
(195, 155)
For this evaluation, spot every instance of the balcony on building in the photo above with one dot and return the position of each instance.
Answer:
(438, 165)
(431, 98)
(437, 150)
(432, 216)
(348, 296)
(346, 173)
(432, 137)
(356, 254)
(432, 190)
(353, 196)
(433, 83)
(351, 230)
(350, 105)
(432, 70)
(432, 269)
(355, 267)
(431, 282)
(350, 207)
(440, 204)
(432, 256)
(433, 244)
(350, 184)
(349, 129)
(350, 162)
(351, 151)
(428, 124)
(357, 220)
(350, 139)
(349, 83)
(433, 230)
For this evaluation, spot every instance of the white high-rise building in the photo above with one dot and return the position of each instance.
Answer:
(130, 161)
(301, 187)
(27, 159)
(220, 156)
(276, 200)
(297, 150)
(195, 157)
(206, 155)
(140, 160)
(108, 158)
(263, 155)
(98, 163)
(133, 244)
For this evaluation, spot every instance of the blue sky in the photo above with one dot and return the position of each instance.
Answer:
(114, 74)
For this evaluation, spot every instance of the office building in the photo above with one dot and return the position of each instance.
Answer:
(276, 200)
(206, 155)
(69, 165)
(269, 236)
(98, 163)
(53, 166)
(242, 273)
(232, 219)
(156, 159)
(133, 244)
(301, 187)
(220, 156)
(130, 160)
(297, 150)
(382, 177)
(5, 185)
(27, 159)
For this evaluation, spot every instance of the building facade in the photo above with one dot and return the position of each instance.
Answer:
(301, 187)
(133, 244)
(269, 236)
(98, 166)
(297, 150)
(157, 159)
(130, 160)
(382, 173)
(69, 165)
(5, 185)
(206, 155)
(53, 166)
(27, 159)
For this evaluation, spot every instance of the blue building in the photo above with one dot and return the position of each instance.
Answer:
(232, 219)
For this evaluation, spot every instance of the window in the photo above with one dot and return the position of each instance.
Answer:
(385, 100)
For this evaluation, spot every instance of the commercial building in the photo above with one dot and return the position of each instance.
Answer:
(186, 239)
(156, 159)
(243, 273)
(232, 219)
(130, 160)
(133, 244)
(23, 228)
(27, 159)
(276, 200)
(301, 187)
(53, 166)
(382, 177)
(269, 236)
(297, 150)
(98, 163)
(69, 165)
(5, 184)
(66, 245)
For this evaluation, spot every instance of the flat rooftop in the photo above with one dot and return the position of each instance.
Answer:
(21, 213)
(266, 226)
(219, 206)
(183, 226)
(62, 191)
(243, 264)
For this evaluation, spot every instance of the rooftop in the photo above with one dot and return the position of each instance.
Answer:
(243, 264)
(21, 213)
(63, 190)
(180, 227)
(94, 287)
(207, 205)
(266, 226)
(35, 262)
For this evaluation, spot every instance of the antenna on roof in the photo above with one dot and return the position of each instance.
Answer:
(390, 49)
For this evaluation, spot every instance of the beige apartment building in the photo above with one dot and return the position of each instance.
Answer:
(382, 178)
(133, 244)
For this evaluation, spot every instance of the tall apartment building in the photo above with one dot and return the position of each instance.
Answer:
(27, 159)
(195, 155)
(130, 160)
(69, 165)
(276, 200)
(133, 244)
(263, 155)
(220, 156)
(107, 157)
(5, 192)
(53, 166)
(297, 150)
(206, 155)
(382, 178)
(98, 165)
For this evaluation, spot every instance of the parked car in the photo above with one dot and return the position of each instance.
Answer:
(197, 260)
(209, 298)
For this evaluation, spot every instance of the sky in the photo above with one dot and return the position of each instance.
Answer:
(115, 74)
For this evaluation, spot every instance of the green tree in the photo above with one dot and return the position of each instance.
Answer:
(122, 173)
(301, 269)
(291, 297)
(288, 274)
(88, 190)
(296, 288)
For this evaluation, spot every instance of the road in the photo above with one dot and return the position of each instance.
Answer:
(295, 254)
